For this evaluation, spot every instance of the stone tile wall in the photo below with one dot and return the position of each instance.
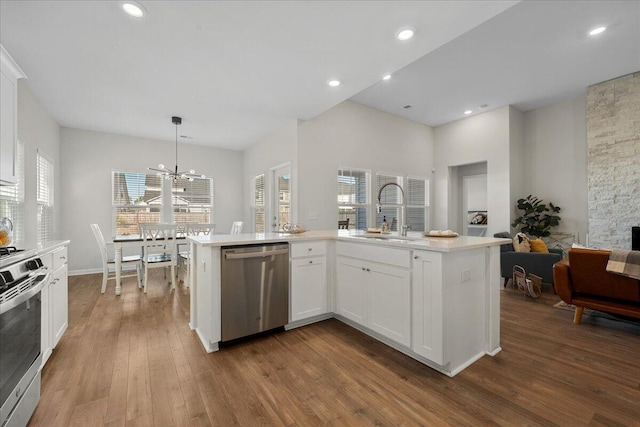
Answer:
(613, 170)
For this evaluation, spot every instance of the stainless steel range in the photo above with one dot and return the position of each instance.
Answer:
(21, 281)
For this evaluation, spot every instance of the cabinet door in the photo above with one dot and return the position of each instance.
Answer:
(45, 323)
(7, 130)
(389, 299)
(308, 288)
(350, 298)
(428, 324)
(59, 304)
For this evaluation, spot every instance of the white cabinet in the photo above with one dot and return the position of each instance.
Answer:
(427, 301)
(54, 298)
(389, 302)
(9, 75)
(59, 296)
(308, 280)
(373, 294)
(350, 296)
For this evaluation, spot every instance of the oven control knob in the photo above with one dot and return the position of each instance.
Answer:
(34, 264)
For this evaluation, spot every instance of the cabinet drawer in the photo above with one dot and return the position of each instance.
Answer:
(59, 257)
(374, 253)
(315, 248)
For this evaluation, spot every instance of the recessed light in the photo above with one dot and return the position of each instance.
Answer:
(387, 77)
(333, 83)
(133, 9)
(468, 112)
(405, 33)
(596, 31)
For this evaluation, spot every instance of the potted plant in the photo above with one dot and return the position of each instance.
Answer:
(537, 218)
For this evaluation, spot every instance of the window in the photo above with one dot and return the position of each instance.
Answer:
(417, 203)
(258, 204)
(12, 200)
(417, 194)
(390, 199)
(192, 201)
(141, 197)
(353, 197)
(44, 197)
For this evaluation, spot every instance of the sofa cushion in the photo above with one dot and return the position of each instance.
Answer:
(589, 276)
(538, 245)
(521, 243)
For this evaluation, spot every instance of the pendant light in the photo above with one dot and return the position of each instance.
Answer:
(174, 174)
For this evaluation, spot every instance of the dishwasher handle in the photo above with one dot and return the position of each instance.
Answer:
(256, 254)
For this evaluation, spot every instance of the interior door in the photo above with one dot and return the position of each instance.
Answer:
(281, 212)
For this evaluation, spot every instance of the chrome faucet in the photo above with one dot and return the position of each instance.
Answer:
(404, 226)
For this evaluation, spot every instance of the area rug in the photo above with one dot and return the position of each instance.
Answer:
(587, 311)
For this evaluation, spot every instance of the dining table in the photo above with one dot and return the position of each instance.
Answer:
(133, 241)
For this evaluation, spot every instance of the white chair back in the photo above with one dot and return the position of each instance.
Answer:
(158, 238)
(236, 228)
(102, 245)
(194, 229)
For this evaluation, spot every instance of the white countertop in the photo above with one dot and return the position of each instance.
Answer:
(414, 240)
(28, 253)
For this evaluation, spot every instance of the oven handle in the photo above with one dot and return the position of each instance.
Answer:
(34, 290)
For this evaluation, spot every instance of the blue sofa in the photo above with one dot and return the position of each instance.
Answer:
(538, 263)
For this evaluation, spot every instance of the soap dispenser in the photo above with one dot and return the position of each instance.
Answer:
(384, 228)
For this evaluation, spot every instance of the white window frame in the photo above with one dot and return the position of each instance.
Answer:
(403, 181)
(165, 206)
(205, 208)
(45, 200)
(258, 204)
(346, 205)
(12, 200)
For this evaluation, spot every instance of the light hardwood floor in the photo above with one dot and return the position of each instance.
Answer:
(132, 360)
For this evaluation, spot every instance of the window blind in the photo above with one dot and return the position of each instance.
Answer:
(353, 197)
(192, 200)
(12, 200)
(136, 199)
(258, 205)
(390, 199)
(44, 197)
(417, 203)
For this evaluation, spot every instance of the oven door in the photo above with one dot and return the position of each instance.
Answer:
(20, 320)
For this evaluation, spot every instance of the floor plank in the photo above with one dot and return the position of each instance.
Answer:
(133, 361)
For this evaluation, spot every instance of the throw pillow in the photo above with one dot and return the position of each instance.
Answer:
(538, 245)
(521, 243)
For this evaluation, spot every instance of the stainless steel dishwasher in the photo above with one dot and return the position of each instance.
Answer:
(255, 289)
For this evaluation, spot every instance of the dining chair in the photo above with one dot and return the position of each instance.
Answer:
(159, 245)
(184, 257)
(343, 225)
(110, 262)
(236, 228)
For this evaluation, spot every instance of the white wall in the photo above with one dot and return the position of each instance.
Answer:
(519, 164)
(38, 131)
(480, 138)
(274, 150)
(556, 153)
(87, 161)
(351, 135)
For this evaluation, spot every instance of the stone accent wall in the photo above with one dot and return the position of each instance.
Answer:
(613, 169)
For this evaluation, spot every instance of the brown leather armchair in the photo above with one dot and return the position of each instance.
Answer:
(582, 280)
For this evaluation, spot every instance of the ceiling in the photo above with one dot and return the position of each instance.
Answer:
(534, 54)
(234, 70)
(237, 71)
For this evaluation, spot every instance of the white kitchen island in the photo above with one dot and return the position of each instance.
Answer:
(435, 299)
